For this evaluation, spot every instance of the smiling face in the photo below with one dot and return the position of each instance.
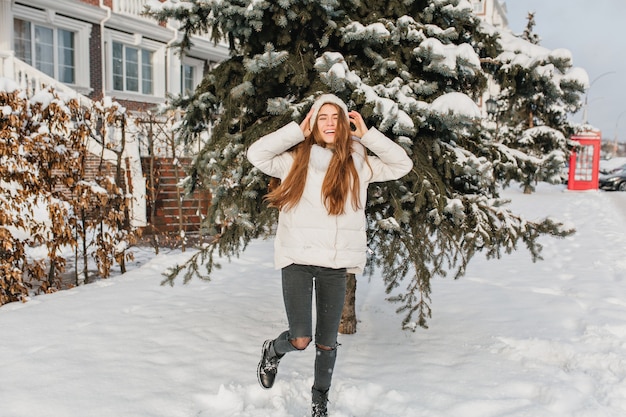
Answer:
(326, 123)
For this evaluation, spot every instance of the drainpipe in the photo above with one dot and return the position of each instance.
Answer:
(102, 51)
(6, 34)
(168, 81)
(6, 19)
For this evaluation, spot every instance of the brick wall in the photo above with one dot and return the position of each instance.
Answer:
(97, 2)
(93, 167)
(95, 63)
(169, 217)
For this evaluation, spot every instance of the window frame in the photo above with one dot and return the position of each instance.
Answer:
(139, 43)
(197, 65)
(81, 31)
(133, 58)
(482, 5)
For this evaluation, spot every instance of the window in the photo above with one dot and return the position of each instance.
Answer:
(146, 71)
(584, 164)
(44, 50)
(188, 80)
(479, 6)
(191, 72)
(50, 50)
(132, 69)
(66, 53)
(22, 41)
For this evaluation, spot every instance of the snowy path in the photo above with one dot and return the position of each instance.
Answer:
(510, 339)
(618, 199)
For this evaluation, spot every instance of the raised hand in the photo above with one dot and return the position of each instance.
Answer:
(357, 120)
(305, 125)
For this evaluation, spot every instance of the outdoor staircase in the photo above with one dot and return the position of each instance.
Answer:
(175, 212)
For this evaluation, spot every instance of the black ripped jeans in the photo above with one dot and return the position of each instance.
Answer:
(330, 289)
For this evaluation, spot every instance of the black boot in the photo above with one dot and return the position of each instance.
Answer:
(320, 400)
(268, 366)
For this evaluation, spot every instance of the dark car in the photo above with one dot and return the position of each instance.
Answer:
(612, 170)
(615, 181)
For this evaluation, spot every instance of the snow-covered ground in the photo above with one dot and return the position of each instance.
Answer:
(512, 338)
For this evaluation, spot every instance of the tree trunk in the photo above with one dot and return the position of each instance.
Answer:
(83, 219)
(348, 315)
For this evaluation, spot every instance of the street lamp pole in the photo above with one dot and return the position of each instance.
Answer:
(615, 137)
(587, 93)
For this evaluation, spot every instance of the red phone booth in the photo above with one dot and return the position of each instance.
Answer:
(584, 163)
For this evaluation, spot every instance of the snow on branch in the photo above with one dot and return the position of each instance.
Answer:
(374, 32)
(456, 103)
(268, 60)
(334, 71)
(447, 59)
(410, 29)
(519, 52)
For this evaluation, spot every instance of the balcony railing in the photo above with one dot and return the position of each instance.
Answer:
(135, 8)
(130, 7)
(31, 80)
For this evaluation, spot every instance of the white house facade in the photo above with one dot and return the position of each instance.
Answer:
(101, 50)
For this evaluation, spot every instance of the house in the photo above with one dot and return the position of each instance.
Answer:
(102, 49)
(493, 12)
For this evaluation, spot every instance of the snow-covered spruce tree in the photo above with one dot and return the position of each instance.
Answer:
(412, 69)
(529, 34)
(538, 89)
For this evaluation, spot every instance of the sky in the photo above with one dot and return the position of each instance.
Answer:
(511, 338)
(593, 32)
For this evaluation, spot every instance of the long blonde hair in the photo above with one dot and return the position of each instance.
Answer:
(341, 179)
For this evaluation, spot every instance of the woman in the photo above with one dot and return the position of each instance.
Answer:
(324, 171)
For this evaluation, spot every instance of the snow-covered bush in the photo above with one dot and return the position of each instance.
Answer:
(46, 200)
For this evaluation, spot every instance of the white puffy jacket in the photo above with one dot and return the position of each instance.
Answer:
(306, 233)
